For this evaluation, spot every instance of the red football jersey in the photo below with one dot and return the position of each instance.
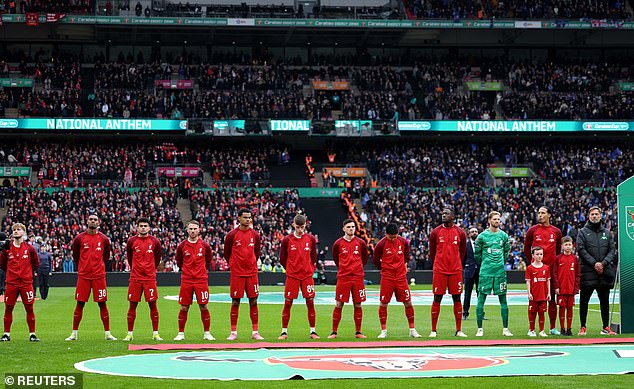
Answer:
(391, 257)
(350, 257)
(548, 238)
(194, 259)
(242, 250)
(538, 278)
(144, 255)
(567, 274)
(299, 255)
(90, 253)
(447, 247)
(19, 263)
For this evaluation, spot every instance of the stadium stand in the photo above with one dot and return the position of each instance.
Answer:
(523, 9)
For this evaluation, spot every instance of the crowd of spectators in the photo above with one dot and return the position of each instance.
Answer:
(243, 78)
(456, 164)
(427, 9)
(387, 105)
(211, 104)
(568, 106)
(564, 76)
(80, 164)
(421, 165)
(556, 164)
(58, 93)
(59, 216)
(59, 75)
(129, 76)
(518, 9)
(242, 164)
(49, 6)
(459, 106)
(432, 89)
(418, 211)
(50, 103)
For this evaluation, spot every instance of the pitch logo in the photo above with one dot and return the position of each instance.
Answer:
(386, 362)
(629, 224)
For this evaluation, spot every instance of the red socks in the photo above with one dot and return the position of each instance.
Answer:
(253, 312)
(30, 317)
(541, 320)
(358, 318)
(336, 318)
(286, 313)
(552, 313)
(383, 317)
(234, 316)
(131, 315)
(435, 312)
(79, 311)
(569, 318)
(457, 313)
(105, 316)
(205, 316)
(531, 319)
(154, 315)
(409, 314)
(182, 319)
(8, 317)
(310, 306)
(562, 316)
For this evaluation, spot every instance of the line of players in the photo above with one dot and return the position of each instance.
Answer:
(91, 250)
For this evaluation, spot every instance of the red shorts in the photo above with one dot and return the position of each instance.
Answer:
(398, 287)
(345, 287)
(442, 282)
(238, 285)
(537, 306)
(99, 291)
(293, 285)
(566, 300)
(186, 294)
(26, 292)
(147, 288)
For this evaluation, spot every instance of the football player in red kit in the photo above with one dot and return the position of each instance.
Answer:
(193, 257)
(19, 262)
(548, 237)
(391, 256)
(91, 252)
(144, 255)
(298, 256)
(242, 250)
(567, 278)
(350, 254)
(538, 289)
(447, 247)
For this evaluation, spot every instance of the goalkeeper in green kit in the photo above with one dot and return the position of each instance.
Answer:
(491, 250)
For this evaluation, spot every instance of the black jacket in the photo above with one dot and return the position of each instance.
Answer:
(470, 266)
(596, 244)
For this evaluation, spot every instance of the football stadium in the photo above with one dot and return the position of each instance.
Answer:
(275, 193)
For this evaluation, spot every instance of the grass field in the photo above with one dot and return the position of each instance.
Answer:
(54, 355)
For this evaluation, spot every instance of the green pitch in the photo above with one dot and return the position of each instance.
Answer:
(54, 321)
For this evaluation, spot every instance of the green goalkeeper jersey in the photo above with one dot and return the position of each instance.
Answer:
(491, 251)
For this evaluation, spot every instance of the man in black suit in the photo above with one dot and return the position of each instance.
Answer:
(470, 273)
